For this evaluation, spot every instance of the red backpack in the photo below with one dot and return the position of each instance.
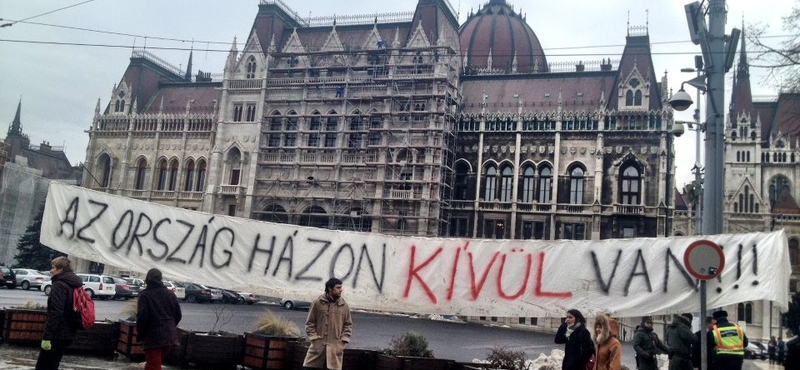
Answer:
(83, 306)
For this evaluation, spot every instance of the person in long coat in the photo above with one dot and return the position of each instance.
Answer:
(59, 328)
(329, 327)
(578, 346)
(157, 318)
(680, 339)
(646, 344)
(609, 349)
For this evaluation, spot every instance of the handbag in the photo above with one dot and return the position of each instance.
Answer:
(590, 365)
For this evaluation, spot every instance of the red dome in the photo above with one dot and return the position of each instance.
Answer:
(497, 28)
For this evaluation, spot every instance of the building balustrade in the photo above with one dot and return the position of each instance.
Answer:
(494, 206)
(628, 209)
(190, 195)
(462, 204)
(162, 194)
(244, 84)
(138, 194)
(573, 208)
(401, 194)
(231, 189)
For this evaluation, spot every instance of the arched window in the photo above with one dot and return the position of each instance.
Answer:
(141, 171)
(116, 106)
(163, 175)
(104, 164)
(314, 216)
(738, 156)
(629, 98)
(637, 100)
(251, 68)
(189, 177)
(748, 156)
(631, 181)
(274, 213)
(234, 161)
(462, 181)
(545, 184)
(576, 181)
(173, 175)
(507, 181)
(744, 312)
(201, 175)
(733, 136)
(527, 184)
(490, 188)
(794, 251)
(778, 185)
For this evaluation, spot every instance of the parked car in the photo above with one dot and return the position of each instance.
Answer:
(7, 278)
(756, 350)
(228, 296)
(291, 304)
(249, 298)
(216, 294)
(180, 292)
(195, 293)
(125, 288)
(29, 278)
(99, 286)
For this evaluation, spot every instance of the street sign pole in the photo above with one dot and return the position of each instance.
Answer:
(704, 260)
(703, 315)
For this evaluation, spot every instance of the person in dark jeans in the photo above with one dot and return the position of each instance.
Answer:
(60, 327)
(157, 319)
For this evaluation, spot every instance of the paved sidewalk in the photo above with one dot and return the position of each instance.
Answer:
(762, 365)
(24, 358)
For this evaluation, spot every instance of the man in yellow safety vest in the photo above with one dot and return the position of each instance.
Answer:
(728, 341)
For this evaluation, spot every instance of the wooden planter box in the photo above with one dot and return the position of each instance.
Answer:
(2, 324)
(24, 327)
(101, 339)
(266, 352)
(359, 359)
(218, 351)
(128, 343)
(426, 363)
(354, 359)
(384, 362)
(297, 353)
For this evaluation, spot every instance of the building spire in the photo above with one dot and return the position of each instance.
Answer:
(16, 126)
(744, 68)
(188, 77)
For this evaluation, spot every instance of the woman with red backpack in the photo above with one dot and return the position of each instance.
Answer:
(59, 329)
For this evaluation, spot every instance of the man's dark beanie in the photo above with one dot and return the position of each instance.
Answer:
(688, 316)
(719, 314)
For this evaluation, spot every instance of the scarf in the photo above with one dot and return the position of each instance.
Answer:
(572, 328)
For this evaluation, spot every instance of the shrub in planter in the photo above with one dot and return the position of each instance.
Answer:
(411, 349)
(267, 347)
(503, 358)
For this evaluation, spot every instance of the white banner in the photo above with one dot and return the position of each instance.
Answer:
(526, 278)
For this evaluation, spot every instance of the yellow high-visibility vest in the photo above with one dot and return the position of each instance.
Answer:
(729, 340)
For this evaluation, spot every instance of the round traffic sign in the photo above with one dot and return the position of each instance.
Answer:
(704, 259)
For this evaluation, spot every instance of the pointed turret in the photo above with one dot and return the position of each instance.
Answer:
(741, 98)
(97, 108)
(16, 125)
(188, 76)
(232, 55)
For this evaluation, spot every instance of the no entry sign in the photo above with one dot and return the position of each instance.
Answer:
(704, 259)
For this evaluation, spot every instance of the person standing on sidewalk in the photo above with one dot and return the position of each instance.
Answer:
(679, 339)
(697, 346)
(781, 350)
(609, 349)
(157, 317)
(728, 341)
(59, 329)
(773, 344)
(577, 341)
(646, 344)
(329, 327)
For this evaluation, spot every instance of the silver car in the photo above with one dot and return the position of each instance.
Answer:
(29, 278)
(291, 304)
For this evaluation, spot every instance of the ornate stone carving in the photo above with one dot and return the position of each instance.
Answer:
(563, 150)
(542, 149)
(619, 150)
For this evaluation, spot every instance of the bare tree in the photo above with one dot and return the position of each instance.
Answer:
(781, 59)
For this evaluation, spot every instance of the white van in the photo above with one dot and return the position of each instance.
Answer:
(100, 286)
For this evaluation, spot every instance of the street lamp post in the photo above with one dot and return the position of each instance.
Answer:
(698, 205)
(719, 51)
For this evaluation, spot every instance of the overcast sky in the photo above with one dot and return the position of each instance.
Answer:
(60, 84)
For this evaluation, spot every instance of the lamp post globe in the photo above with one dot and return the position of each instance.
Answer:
(681, 100)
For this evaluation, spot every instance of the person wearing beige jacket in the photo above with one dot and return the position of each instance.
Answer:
(329, 327)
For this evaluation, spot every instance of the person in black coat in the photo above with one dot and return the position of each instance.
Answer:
(697, 346)
(60, 327)
(157, 319)
(647, 345)
(578, 345)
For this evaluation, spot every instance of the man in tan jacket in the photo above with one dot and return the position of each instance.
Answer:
(329, 326)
